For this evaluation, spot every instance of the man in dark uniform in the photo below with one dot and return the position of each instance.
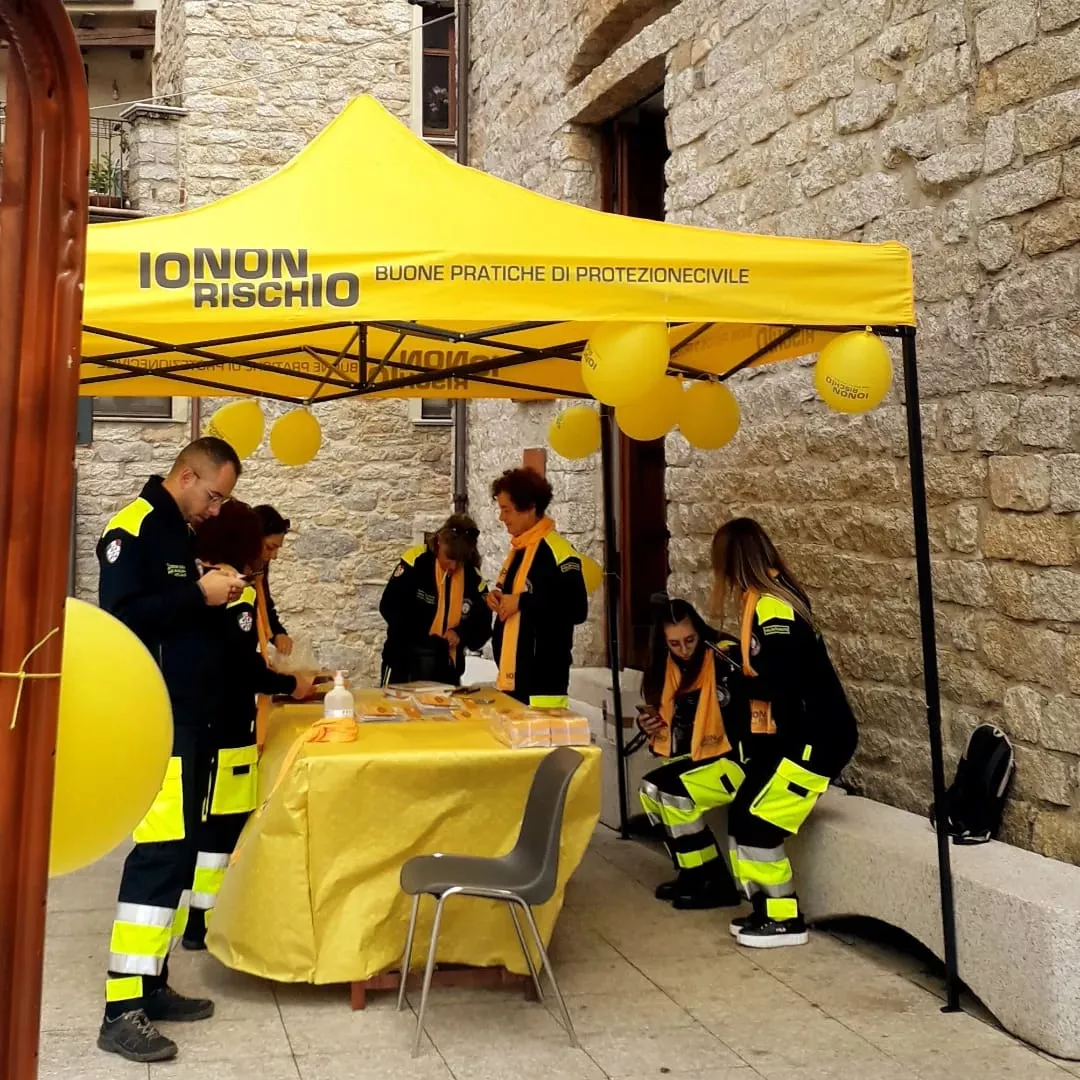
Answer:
(151, 582)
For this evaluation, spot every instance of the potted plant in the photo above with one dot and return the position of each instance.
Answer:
(105, 183)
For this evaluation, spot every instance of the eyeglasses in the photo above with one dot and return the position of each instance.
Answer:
(216, 498)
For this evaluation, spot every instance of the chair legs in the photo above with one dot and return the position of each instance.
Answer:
(525, 951)
(406, 959)
(427, 974)
(546, 964)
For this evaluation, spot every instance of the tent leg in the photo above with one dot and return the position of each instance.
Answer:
(930, 663)
(611, 595)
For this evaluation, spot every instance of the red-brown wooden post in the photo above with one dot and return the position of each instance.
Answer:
(43, 209)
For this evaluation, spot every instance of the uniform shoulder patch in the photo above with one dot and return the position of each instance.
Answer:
(400, 570)
(246, 621)
(112, 551)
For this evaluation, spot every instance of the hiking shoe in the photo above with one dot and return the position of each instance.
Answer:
(774, 934)
(133, 1036)
(166, 1005)
(670, 889)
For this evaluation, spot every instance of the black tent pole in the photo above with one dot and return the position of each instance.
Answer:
(930, 663)
(611, 595)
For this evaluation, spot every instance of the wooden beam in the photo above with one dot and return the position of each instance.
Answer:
(127, 37)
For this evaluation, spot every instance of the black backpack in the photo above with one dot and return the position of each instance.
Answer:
(975, 801)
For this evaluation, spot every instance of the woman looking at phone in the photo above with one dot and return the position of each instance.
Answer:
(691, 720)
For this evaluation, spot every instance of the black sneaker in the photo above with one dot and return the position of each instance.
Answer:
(166, 1005)
(755, 918)
(737, 926)
(703, 895)
(774, 933)
(133, 1036)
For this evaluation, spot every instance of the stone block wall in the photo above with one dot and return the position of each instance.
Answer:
(379, 480)
(952, 126)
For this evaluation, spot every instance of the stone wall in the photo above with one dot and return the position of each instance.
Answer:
(379, 480)
(952, 127)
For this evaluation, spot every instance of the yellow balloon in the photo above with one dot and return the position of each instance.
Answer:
(295, 437)
(575, 432)
(623, 362)
(853, 372)
(240, 424)
(113, 741)
(710, 415)
(653, 416)
(593, 573)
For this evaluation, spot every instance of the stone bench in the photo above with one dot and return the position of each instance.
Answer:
(1017, 913)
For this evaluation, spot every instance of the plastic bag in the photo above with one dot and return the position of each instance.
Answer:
(301, 661)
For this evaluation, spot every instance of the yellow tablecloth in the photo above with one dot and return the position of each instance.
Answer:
(314, 894)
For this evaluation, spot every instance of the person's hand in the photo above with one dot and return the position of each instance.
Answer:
(650, 721)
(452, 638)
(284, 644)
(221, 586)
(492, 599)
(305, 687)
(509, 605)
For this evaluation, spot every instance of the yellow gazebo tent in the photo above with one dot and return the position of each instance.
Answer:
(372, 264)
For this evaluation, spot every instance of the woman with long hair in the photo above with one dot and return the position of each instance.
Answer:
(233, 539)
(435, 607)
(692, 721)
(274, 530)
(802, 732)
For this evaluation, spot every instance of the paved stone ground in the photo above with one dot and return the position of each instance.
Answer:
(653, 993)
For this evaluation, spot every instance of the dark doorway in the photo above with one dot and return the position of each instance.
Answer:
(635, 151)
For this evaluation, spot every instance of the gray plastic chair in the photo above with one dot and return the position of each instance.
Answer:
(522, 878)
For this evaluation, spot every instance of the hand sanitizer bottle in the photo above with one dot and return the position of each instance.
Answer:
(338, 703)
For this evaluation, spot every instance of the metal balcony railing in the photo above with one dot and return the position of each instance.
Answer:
(108, 160)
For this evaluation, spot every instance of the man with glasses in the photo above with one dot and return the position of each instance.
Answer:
(151, 581)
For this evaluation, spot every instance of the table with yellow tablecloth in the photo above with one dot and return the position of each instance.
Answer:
(313, 894)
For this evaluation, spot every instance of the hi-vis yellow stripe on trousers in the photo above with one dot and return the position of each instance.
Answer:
(141, 936)
(164, 820)
(129, 988)
(236, 781)
(789, 796)
(209, 874)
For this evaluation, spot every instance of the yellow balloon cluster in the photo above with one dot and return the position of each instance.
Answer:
(623, 362)
(295, 437)
(709, 416)
(575, 432)
(853, 372)
(240, 424)
(113, 740)
(653, 416)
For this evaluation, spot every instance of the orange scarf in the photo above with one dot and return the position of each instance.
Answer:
(262, 623)
(530, 542)
(709, 738)
(452, 619)
(761, 717)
